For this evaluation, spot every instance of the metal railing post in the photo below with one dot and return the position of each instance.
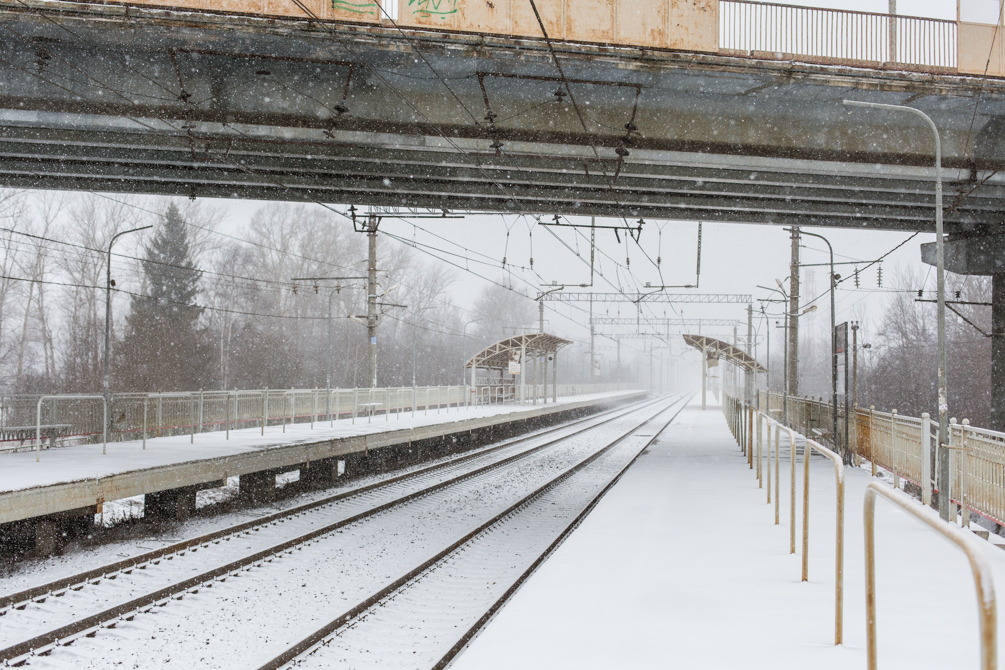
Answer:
(979, 566)
(839, 533)
(757, 439)
(750, 437)
(872, 439)
(792, 497)
(964, 468)
(893, 450)
(778, 430)
(926, 458)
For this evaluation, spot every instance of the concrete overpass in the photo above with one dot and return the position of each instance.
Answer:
(140, 99)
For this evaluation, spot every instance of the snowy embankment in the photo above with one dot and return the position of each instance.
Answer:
(681, 565)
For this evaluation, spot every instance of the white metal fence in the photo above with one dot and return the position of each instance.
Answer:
(66, 419)
(790, 32)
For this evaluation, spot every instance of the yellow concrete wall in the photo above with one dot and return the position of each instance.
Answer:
(679, 24)
(974, 43)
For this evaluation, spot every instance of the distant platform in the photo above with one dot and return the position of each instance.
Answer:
(76, 479)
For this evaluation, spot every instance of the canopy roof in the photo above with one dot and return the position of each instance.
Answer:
(716, 349)
(497, 356)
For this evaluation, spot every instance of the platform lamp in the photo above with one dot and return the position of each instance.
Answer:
(106, 382)
(943, 452)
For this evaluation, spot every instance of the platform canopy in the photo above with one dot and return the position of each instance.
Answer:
(498, 356)
(715, 349)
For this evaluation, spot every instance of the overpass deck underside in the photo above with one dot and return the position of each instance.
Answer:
(116, 98)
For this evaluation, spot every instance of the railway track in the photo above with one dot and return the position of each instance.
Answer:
(357, 539)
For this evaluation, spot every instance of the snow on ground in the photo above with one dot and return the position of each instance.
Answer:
(20, 471)
(140, 539)
(681, 565)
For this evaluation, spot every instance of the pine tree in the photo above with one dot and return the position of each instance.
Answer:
(164, 348)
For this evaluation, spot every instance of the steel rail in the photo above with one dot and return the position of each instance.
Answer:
(967, 542)
(45, 590)
(498, 605)
(310, 641)
(97, 619)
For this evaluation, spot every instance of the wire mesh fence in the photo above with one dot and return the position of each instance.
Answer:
(55, 420)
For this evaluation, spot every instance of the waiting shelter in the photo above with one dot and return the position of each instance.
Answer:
(517, 368)
(713, 350)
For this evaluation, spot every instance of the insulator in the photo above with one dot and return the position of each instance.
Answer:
(879, 277)
(856, 277)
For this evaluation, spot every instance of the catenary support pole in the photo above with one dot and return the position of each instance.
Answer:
(998, 351)
(792, 359)
(371, 298)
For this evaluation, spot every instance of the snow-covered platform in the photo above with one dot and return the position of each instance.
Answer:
(681, 565)
(74, 478)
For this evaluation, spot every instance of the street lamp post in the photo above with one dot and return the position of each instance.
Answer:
(785, 382)
(944, 474)
(106, 383)
(834, 361)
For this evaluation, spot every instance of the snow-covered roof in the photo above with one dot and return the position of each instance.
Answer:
(498, 356)
(716, 349)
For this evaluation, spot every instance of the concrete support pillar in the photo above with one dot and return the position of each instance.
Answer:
(48, 537)
(319, 474)
(258, 487)
(554, 379)
(704, 377)
(523, 374)
(176, 504)
(533, 382)
(544, 380)
(998, 351)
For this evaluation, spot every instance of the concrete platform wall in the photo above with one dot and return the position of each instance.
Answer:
(35, 514)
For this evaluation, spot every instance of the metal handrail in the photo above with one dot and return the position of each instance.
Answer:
(839, 525)
(979, 566)
(839, 530)
(792, 470)
(38, 419)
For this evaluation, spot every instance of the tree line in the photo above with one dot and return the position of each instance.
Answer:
(899, 368)
(195, 307)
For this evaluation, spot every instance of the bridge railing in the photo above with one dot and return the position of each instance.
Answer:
(789, 32)
(67, 419)
(731, 27)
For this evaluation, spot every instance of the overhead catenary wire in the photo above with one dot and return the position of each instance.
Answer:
(250, 170)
